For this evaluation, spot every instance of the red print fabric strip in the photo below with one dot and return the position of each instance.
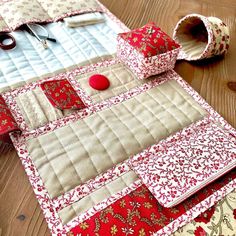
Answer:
(7, 122)
(139, 213)
(61, 94)
(149, 40)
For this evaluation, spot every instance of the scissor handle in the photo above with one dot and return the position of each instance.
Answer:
(4, 36)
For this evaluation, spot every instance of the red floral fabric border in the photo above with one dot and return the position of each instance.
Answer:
(139, 213)
(7, 122)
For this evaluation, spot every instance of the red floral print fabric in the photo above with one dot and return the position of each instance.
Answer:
(149, 40)
(7, 122)
(139, 213)
(206, 216)
(200, 231)
(234, 212)
(62, 95)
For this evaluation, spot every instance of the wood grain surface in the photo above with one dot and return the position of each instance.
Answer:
(215, 80)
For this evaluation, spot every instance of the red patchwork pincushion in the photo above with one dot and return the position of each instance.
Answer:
(147, 51)
(149, 40)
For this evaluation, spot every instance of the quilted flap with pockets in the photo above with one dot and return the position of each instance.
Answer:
(15, 13)
(111, 136)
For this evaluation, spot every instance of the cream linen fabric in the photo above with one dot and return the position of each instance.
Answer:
(97, 196)
(120, 77)
(38, 111)
(36, 108)
(73, 154)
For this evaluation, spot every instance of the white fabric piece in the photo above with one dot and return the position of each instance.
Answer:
(84, 19)
(79, 46)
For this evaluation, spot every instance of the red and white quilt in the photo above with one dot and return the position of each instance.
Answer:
(139, 158)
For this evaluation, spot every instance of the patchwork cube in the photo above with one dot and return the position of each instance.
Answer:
(147, 51)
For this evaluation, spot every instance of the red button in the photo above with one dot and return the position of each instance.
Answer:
(99, 82)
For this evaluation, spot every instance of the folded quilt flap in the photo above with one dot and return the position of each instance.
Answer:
(75, 48)
(16, 13)
(186, 162)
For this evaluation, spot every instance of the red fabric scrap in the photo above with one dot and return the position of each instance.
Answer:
(139, 213)
(62, 95)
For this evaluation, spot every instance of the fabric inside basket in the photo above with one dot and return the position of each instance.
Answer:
(192, 36)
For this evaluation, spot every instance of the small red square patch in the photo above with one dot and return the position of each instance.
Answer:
(61, 94)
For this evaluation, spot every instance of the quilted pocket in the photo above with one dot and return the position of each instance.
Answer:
(186, 162)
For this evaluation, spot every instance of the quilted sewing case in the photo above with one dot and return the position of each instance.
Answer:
(74, 186)
(139, 149)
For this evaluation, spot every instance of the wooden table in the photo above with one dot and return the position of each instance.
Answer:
(20, 214)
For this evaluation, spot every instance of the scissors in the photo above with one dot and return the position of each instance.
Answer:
(7, 41)
(40, 33)
(11, 42)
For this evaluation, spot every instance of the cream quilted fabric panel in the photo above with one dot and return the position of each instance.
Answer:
(73, 154)
(56, 8)
(14, 12)
(120, 77)
(17, 12)
(37, 110)
(97, 196)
